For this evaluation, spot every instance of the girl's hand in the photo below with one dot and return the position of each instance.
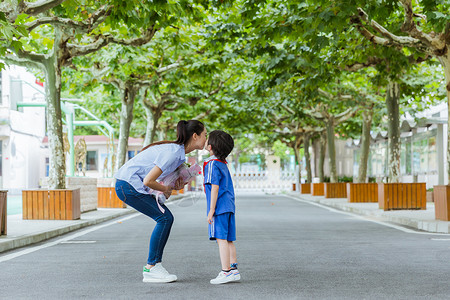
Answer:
(210, 217)
(179, 184)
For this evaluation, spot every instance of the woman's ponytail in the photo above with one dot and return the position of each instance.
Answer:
(185, 130)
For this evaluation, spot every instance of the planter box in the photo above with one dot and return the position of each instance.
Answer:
(318, 189)
(3, 213)
(305, 188)
(430, 197)
(402, 196)
(107, 198)
(442, 202)
(335, 190)
(46, 204)
(362, 192)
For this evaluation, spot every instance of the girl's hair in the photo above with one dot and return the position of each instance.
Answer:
(185, 130)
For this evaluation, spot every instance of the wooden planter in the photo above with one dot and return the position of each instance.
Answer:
(107, 198)
(51, 204)
(335, 190)
(318, 189)
(3, 213)
(362, 192)
(402, 196)
(305, 188)
(442, 202)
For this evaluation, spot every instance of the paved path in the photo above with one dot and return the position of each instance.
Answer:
(287, 249)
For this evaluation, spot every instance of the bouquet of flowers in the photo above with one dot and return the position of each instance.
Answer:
(185, 171)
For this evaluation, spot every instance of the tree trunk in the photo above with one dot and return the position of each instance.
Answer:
(307, 157)
(445, 61)
(331, 149)
(57, 161)
(148, 132)
(298, 159)
(323, 149)
(392, 98)
(365, 145)
(126, 117)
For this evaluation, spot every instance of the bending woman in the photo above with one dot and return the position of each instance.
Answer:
(140, 174)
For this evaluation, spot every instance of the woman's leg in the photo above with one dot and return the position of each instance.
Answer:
(147, 205)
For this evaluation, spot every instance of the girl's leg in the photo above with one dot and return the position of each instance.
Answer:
(224, 252)
(232, 249)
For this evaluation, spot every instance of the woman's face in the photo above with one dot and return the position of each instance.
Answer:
(202, 140)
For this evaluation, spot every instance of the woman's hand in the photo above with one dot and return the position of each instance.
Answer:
(210, 217)
(168, 193)
(179, 184)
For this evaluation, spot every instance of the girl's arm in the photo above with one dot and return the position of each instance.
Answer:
(150, 180)
(214, 194)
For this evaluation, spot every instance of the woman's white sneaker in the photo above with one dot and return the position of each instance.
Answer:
(158, 274)
(223, 277)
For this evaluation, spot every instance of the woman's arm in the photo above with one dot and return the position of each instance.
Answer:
(150, 180)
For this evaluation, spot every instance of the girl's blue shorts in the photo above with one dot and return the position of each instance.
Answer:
(223, 227)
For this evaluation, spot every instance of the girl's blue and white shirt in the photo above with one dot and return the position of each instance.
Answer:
(216, 172)
(167, 157)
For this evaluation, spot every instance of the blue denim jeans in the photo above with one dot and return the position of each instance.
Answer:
(146, 204)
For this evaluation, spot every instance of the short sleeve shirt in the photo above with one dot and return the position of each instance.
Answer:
(216, 172)
(167, 157)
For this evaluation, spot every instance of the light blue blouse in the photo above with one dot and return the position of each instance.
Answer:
(166, 156)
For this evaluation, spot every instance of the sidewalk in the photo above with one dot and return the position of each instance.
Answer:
(26, 232)
(417, 219)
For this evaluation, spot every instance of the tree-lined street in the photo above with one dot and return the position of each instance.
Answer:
(287, 249)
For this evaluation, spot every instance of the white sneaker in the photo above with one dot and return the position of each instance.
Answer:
(158, 274)
(236, 274)
(223, 277)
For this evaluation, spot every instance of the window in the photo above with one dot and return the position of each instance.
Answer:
(91, 161)
(132, 154)
(432, 155)
(405, 157)
(47, 166)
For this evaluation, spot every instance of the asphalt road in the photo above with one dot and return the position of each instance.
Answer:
(287, 249)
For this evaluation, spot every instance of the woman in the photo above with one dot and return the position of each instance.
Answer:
(140, 174)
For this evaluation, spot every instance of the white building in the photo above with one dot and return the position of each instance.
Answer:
(21, 129)
(24, 153)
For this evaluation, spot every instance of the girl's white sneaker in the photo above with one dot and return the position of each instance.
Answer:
(237, 275)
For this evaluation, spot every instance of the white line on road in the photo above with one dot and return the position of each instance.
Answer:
(78, 242)
(65, 239)
(366, 218)
(440, 239)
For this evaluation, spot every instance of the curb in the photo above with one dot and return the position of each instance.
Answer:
(29, 239)
(435, 226)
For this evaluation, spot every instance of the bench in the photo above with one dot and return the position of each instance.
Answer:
(362, 192)
(442, 202)
(335, 190)
(402, 196)
(318, 189)
(43, 204)
(305, 188)
(107, 198)
(3, 212)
